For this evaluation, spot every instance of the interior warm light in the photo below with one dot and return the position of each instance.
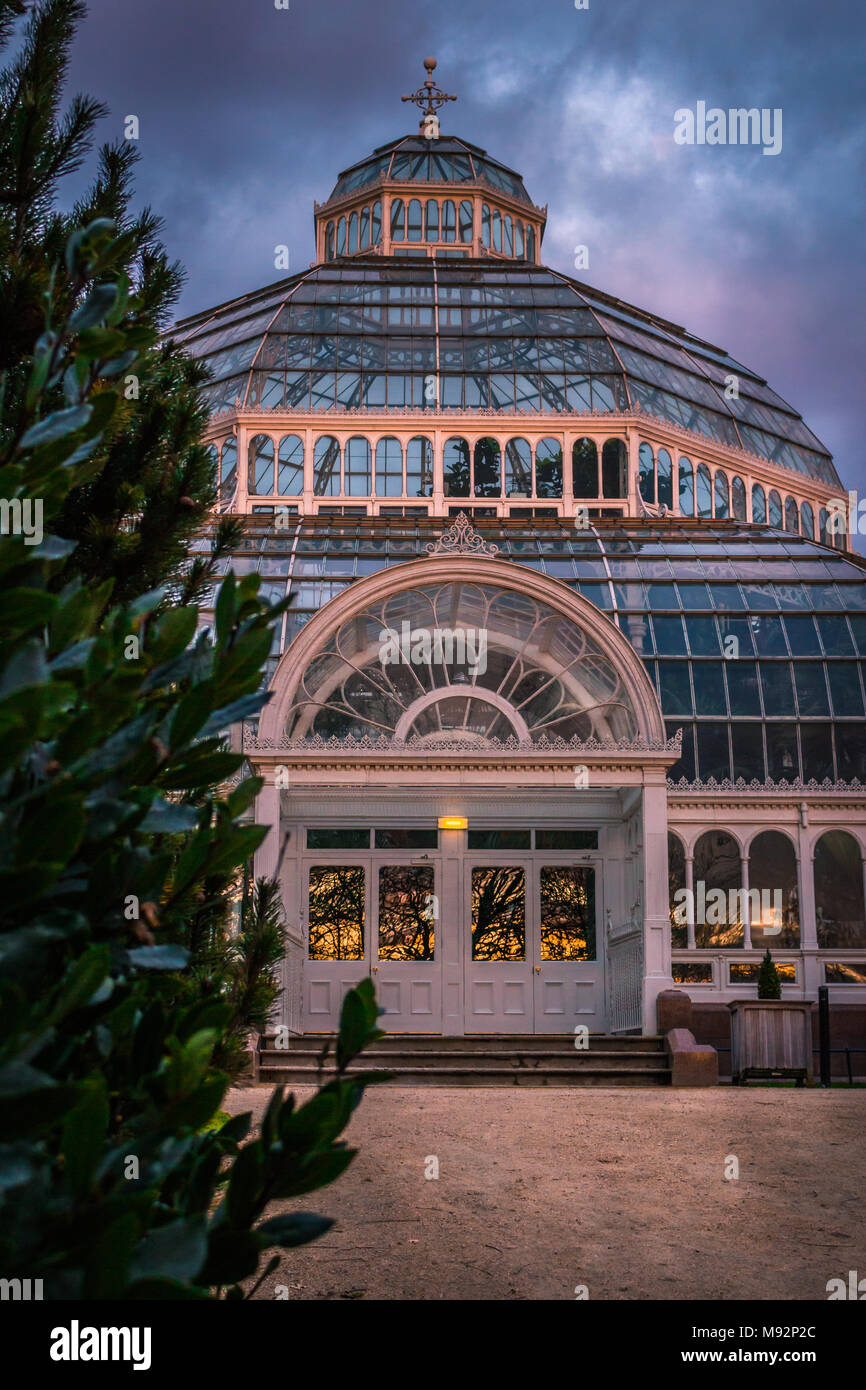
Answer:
(453, 823)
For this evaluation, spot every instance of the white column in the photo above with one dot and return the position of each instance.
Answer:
(656, 918)
(268, 813)
(690, 901)
(747, 906)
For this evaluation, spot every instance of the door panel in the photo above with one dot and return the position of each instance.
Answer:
(569, 983)
(337, 913)
(498, 973)
(407, 969)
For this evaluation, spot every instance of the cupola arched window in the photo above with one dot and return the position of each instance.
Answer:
(508, 228)
(646, 472)
(775, 509)
(352, 241)
(413, 220)
(431, 220)
(326, 467)
(488, 468)
(738, 499)
(792, 518)
(341, 236)
(548, 468)
(759, 505)
(364, 233)
(466, 221)
(290, 473)
(686, 486)
(705, 491)
(723, 504)
(376, 223)
(419, 467)
(530, 243)
(398, 220)
(518, 468)
(260, 452)
(357, 467)
(497, 230)
(664, 470)
(614, 468)
(584, 468)
(456, 466)
(449, 221)
(389, 468)
(329, 242)
(807, 520)
(485, 224)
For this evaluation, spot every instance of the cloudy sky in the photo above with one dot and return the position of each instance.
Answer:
(248, 112)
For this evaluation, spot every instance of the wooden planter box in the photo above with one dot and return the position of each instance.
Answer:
(770, 1038)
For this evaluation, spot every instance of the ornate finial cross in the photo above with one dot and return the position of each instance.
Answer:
(429, 97)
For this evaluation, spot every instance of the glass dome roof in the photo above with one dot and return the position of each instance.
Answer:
(414, 159)
(506, 336)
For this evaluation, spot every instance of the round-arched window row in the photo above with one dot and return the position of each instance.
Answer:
(440, 220)
(719, 497)
(716, 915)
(356, 232)
(506, 234)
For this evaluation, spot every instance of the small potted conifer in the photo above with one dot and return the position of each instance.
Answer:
(771, 1036)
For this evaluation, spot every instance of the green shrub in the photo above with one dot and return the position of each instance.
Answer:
(769, 984)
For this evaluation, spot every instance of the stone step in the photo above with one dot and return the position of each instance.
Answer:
(450, 1075)
(562, 1043)
(482, 1058)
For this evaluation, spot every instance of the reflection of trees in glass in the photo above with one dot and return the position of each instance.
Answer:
(406, 920)
(567, 913)
(717, 865)
(336, 913)
(676, 881)
(839, 891)
(498, 914)
(456, 466)
(773, 868)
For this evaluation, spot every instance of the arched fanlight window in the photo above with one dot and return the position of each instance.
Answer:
(260, 452)
(497, 230)
(413, 221)
(329, 242)
(548, 468)
(718, 880)
(647, 472)
(664, 470)
(455, 466)
(364, 234)
(341, 236)
(839, 904)
(807, 520)
(508, 243)
(419, 467)
(352, 241)
(614, 468)
(356, 469)
(705, 491)
(530, 243)
(792, 516)
(518, 240)
(488, 468)
(290, 472)
(518, 468)
(326, 467)
(228, 468)
(773, 872)
(376, 223)
(775, 509)
(686, 486)
(398, 220)
(584, 468)
(431, 220)
(449, 221)
(389, 468)
(466, 221)
(759, 505)
(738, 499)
(485, 224)
(722, 496)
(823, 526)
(676, 883)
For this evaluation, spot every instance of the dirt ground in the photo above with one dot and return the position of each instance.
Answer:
(623, 1191)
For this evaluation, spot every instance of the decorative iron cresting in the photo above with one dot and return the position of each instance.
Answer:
(462, 539)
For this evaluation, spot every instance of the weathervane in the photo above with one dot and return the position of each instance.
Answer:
(428, 99)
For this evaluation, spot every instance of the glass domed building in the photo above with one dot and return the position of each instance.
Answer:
(573, 628)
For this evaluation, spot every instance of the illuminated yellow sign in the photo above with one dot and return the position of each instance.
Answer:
(453, 823)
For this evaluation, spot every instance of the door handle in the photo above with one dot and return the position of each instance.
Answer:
(375, 969)
(538, 969)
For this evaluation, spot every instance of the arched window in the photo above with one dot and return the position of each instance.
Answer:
(398, 220)
(260, 452)
(352, 242)
(341, 236)
(455, 465)
(687, 486)
(290, 474)
(705, 491)
(413, 221)
(518, 240)
(376, 223)
(718, 881)
(548, 468)
(228, 468)
(497, 230)
(738, 499)
(839, 892)
(449, 221)
(792, 516)
(518, 468)
(364, 234)
(326, 467)
(431, 220)
(530, 243)
(584, 468)
(419, 467)
(357, 467)
(807, 520)
(722, 495)
(508, 244)
(614, 468)
(466, 221)
(677, 882)
(773, 873)
(664, 470)
(389, 468)
(485, 224)
(759, 505)
(488, 468)
(647, 472)
(775, 509)
(329, 242)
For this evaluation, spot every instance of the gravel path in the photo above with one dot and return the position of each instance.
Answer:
(623, 1191)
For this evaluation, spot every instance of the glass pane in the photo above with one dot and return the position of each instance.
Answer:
(518, 468)
(398, 220)
(687, 488)
(839, 892)
(338, 838)
(326, 467)
(665, 479)
(584, 467)
(431, 221)
(465, 221)
(647, 473)
(567, 913)
(566, 839)
(773, 872)
(759, 505)
(407, 912)
(498, 914)
(290, 481)
(336, 913)
(488, 468)
(548, 468)
(676, 884)
(499, 839)
(455, 462)
(419, 467)
(718, 884)
(392, 837)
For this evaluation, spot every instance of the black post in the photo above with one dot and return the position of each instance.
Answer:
(824, 1032)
